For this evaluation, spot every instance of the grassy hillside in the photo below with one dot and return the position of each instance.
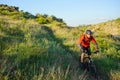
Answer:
(33, 48)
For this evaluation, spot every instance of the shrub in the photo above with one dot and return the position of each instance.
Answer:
(42, 20)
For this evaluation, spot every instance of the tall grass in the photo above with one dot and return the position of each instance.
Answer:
(30, 51)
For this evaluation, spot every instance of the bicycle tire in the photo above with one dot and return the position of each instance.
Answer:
(92, 69)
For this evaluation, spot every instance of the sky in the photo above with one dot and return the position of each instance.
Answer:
(73, 12)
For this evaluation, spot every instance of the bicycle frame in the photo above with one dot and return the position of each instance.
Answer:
(89, 64)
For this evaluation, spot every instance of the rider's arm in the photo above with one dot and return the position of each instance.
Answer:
(80, 41)
(95, 43)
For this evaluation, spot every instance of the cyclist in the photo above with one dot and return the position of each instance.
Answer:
(84, 44)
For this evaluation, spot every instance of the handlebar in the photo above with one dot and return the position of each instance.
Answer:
(95, 52)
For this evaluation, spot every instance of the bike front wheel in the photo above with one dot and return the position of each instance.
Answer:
(92, 69)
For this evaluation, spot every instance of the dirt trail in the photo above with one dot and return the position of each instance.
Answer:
(86, 76)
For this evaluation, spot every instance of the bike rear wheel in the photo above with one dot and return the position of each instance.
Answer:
(86, 61)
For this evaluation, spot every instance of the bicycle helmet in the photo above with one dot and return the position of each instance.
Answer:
(89, 32)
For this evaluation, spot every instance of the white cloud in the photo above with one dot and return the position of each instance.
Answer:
(102, 18)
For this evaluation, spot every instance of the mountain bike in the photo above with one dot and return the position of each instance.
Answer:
(89, 65)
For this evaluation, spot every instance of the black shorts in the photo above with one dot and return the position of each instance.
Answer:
(86, 50)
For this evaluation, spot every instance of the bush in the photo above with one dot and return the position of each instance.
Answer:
(42, 20)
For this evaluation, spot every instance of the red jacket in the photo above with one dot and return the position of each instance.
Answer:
(85, 41)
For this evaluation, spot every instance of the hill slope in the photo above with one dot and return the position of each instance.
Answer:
(30, 50)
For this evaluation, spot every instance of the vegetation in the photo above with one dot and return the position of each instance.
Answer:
(42, 47)
(14, 13)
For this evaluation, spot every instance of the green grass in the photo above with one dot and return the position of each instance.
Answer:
(31, 51)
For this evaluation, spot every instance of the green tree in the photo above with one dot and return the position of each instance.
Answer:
(28, 15)
(42, 20)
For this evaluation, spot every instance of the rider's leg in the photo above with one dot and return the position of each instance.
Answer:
(82, 49)
(82, 57)
(81, 60)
